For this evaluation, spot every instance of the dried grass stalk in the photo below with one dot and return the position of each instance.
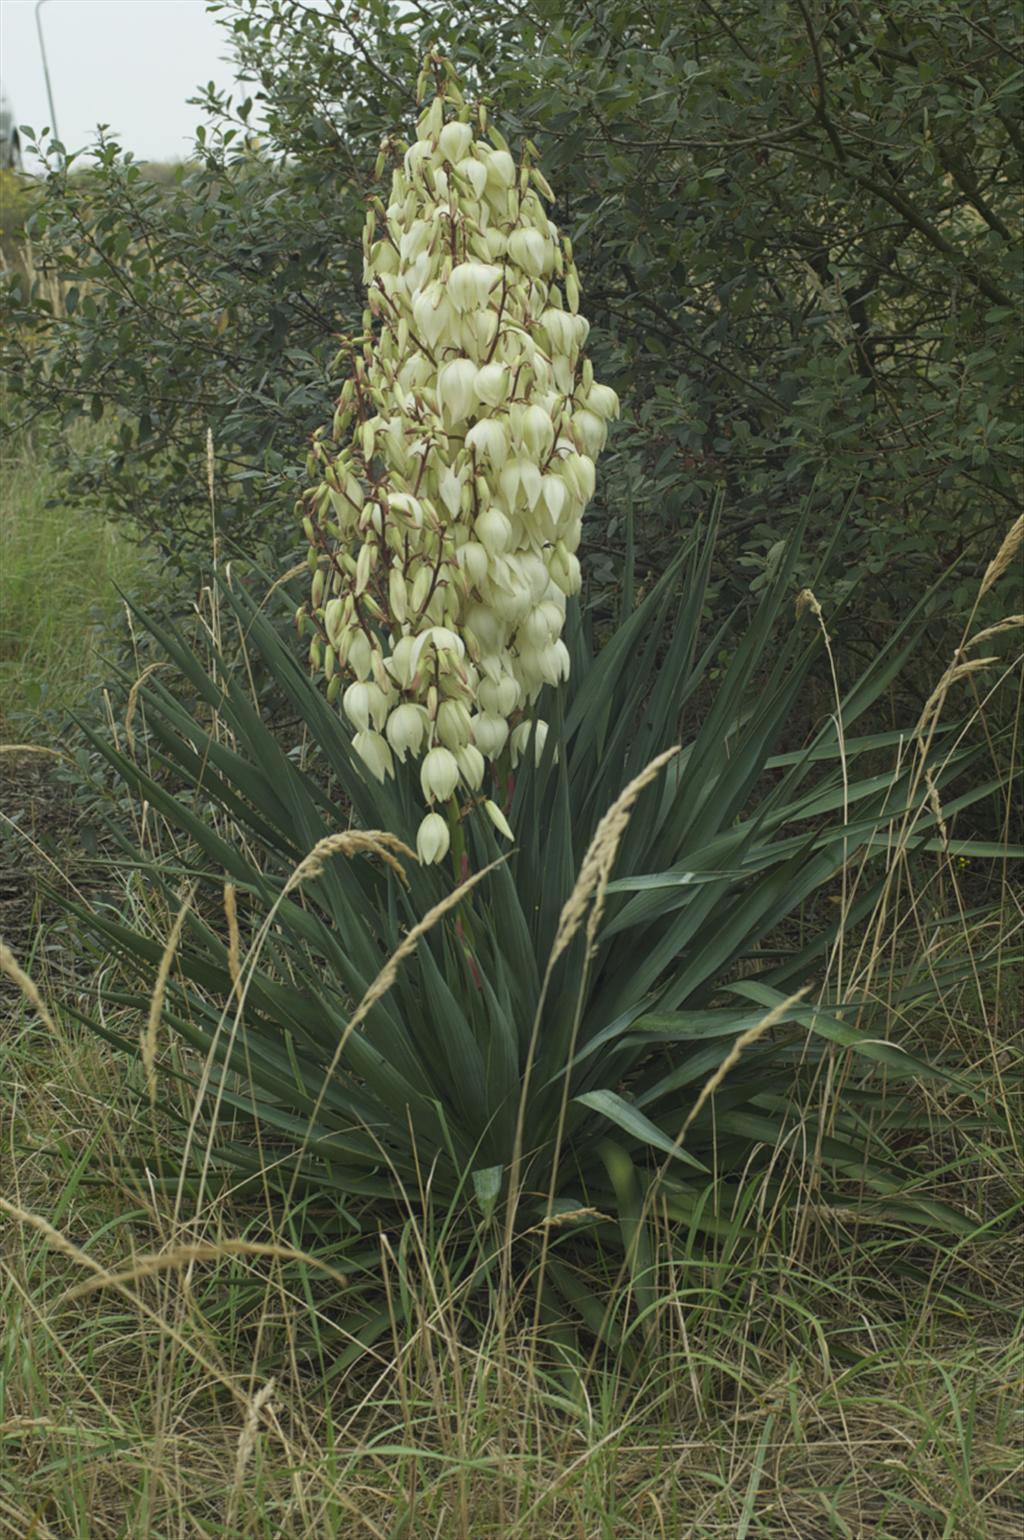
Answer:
(133, 700)
(732, 1058)
(10, 967)
(351, 842)
(234, 940)
(31, 748)
(250, 1432)
(954, 673)
(148, 1037)
(387, 975)
(210, 1251)
(595, 872)
(82, 1258)
(1000, 563)
(1011, 623)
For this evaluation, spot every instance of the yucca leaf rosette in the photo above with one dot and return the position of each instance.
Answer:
(445, 527)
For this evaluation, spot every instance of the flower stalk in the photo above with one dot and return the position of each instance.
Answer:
(444, 527)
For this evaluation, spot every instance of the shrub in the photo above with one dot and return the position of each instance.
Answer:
(799, 237)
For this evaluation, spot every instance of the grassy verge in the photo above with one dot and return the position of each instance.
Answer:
(61, 566)
(824, 1378)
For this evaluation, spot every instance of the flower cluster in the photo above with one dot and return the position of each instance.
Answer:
(443, 535)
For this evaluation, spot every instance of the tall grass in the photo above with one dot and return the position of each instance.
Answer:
(60, 567)
(189, 1374)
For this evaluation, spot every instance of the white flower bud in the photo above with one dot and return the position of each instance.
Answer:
(453, 724)
(602, 401)
(553, 491)
(359, 656)
(450, 488)
(529, 250)
(455, 393)
(414, 241)
(439, 775)
(497, 242)
(591, 431)
(400, 665)
(499, 697)
(430, 122)
(498, 819)
(501, 169)
(535, 628)
(475, 173)
(471, 766)
(378, 703)
(471, 283)
(487, 627)
(565, 570)
(529, 480)
(559, 328)
(407, 509)
(442, 637)
(334, 619)
(538, 434)
(474, 561)
(431, 311)
(397, 594)
(432, 839)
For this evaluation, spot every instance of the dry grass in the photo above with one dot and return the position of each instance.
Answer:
(823, 1379)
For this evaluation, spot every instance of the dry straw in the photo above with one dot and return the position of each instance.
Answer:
(1000, 563)
(387, 847)
(133, 701)
(81, 1258)
(250, 1433)
(1011, 623)
(387, 975)
(209, 1251)
(592, 882)
(10, 967)
(32, 748)
(234, 939)
(775, 1015)
(351, 842)
(148, 1036)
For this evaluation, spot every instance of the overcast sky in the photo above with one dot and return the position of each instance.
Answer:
(129, 63)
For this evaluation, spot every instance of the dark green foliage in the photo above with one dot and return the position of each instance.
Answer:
(206, 304)
(798, 231)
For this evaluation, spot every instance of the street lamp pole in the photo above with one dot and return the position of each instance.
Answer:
(46, 70)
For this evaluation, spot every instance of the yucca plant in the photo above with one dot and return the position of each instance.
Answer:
(539, 1048)
(611, 1011)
